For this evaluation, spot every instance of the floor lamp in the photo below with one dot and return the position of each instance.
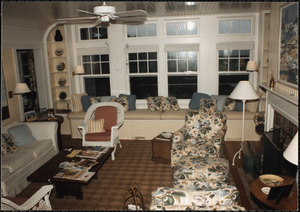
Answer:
(243, 91)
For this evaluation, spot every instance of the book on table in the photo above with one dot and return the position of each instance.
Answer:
(92, 153)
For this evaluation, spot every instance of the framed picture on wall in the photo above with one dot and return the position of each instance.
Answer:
(288, 45)
(30, 116)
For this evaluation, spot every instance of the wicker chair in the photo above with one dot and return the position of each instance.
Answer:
(113, 115)
(39, 201)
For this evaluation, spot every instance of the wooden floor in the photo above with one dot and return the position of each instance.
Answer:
(230, 148)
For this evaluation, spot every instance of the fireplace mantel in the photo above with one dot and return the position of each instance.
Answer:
(281, 101)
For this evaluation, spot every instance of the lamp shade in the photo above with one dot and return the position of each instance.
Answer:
(243, 91)
(291, 152)
(251, 66)
(79, 70)
(21, 88)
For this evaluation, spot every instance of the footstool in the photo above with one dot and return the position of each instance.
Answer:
(195, 173)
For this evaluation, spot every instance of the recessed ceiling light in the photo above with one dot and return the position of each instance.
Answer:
(189, 3)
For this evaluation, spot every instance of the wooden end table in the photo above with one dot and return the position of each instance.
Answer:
(161, 150)
(287, 203)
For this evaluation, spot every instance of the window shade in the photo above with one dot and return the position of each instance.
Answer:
(235, 45)
(181, 47)
(91, 51)
(142, 48)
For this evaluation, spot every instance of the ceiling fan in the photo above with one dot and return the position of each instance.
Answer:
(104, 14)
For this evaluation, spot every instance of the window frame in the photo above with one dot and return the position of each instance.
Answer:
(238, 18)
(143, 37)
(180, 21)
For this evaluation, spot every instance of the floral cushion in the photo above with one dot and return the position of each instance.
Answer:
(7, 144)
(229, 104)
(155, 103)
(172, 199)
(196, 173)
(94, 100)
(122, 100)
(170, 104)
(208, 105)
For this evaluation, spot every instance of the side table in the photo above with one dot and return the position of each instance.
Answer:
(286, 203)
(161, 150)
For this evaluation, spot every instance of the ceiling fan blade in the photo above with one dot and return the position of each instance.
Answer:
(77, 19)
(83, 11)
(130, 19)
(131, 13)
(127, 22)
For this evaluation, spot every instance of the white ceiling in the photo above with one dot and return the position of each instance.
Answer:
(45, 13)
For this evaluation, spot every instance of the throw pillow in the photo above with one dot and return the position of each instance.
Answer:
(155, 103)
(7, 144)
(95, 126)
(131, 100)
(170, 104)
(95, 99)
(194, 102)
(239, 105)
(252, 105)
(229, 104)
(85, 101)
(221, 99)
(76, 102)
(122, 100)
(208, 105)
(21, 134)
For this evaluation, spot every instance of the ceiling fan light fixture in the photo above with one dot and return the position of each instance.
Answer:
(104, 18)
(104, 10)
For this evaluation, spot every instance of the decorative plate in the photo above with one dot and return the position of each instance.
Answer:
(62, 95)
(59, 52)
(62, 81)
(60, 67)
(271, 179)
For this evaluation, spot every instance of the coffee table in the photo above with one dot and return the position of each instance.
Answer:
(65, 187)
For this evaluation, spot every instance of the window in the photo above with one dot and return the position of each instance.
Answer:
(232, 69)
(145, 30)
(96, 78)
(235, 26)
(233, 60)
(94, 33)
(143, 74)
(182, 73)
(181, 28)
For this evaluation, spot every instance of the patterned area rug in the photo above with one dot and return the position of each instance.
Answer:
(132, 166)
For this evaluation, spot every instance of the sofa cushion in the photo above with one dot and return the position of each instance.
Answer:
(76, 101)
(229, 104)
(121, 100)
(238, 105)
(208, 105)
(16, 160)
(37, 147)
(85, 101)
(155, 103)
(170, 104)
(174, 115)
(131, 100)
(21, 134)
(7, 144)
(194, 102)
(221, 99)
(142, 114)
(252, 105)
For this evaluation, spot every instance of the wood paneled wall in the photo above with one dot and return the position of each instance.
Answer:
(9, 72)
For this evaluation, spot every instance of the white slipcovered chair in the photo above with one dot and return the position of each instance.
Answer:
(38, 201)
(113, 115)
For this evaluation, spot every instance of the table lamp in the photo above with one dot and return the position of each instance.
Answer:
(21, 88)
(251, 66)
(243, 91)
(78, 70)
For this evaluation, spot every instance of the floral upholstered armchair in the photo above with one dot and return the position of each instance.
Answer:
(202, 135)
(226, 199)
